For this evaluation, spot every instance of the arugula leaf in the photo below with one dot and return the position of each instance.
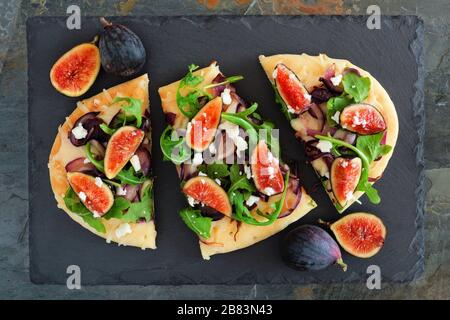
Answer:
(74, 204)
(336, 104)
(128, 211)
(372, 147)
(189, 104)
(196, 222)
(107, 129)
(217, 170)
(356, 86)
(174, 147)
(134, 108)
(227, 80)
(238, 181)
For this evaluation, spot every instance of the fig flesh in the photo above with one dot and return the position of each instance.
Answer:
(266, 171)
(344, 176)
(362, 118)
(75, 72)
(360, 234)
(291, 89)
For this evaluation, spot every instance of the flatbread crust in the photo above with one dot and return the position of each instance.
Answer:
(227, 234)
(143, 235)
(310, 68)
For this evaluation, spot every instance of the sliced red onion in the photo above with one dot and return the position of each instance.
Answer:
(330, 72)
(186, 171)
(145, 126)
(216, 91)
(383, 140)
(170, 118)
(132, 192)
(91, 123)
(322, 94)
(344, 135)
(353, 70)
(330, 86)
(224, 147)
(98, 150)
(144, 159)
(82, 165)
(211, 213)
(370, 179)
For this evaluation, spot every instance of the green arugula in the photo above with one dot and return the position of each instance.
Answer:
(74, 204)
(372, 147)
(356, 86)
(125, 176)
(196, 222)
(239, 181)
(337, 104)
(228, 80)
(189, 104)
(107, 129)
(128, 211)
(174, 147)
(133, 108)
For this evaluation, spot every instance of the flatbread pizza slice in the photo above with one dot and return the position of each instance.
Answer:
(238, 189)
(345, 118)
(100, 169)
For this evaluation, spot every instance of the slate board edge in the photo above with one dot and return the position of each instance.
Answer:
(416, 47)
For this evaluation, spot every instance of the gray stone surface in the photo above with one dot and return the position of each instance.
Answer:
(14, 282)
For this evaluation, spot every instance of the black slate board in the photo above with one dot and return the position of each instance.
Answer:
(392, 55)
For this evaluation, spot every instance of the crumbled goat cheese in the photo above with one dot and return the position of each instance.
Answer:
(198, 159)
(240, 143)
(275, 73)
(226, 97)
(135, 163)
(98, 182)
(290, 109)
(218, 181)
(248, 171)
(336, 79)
(123, 230)
(349, 196)
(324, 146)
(96, 214)
(192, 202)
(79, 132)
(307, 96)
(335, 117)
(82, 196)
(252, 200)
(212, 148)
(269, 191)
(201, 174)
(86, 161)
(344, 164)
(121, 191)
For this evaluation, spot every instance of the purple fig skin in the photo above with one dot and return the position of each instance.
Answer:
(310, 247)
(91, 123)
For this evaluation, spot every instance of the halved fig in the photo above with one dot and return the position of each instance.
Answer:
(345, 174)
(209, 193)
(121, 147)
(75, 72)
(290, 88)
(362, 118)
(98, 198)
(203, 126)
(360, 234)
(266, 170)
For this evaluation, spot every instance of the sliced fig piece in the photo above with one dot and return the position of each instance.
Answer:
(121, 147)
(362, 118)
(360, 234)
(291, 90)
(98, 198)
(311, 248)
(75, 72)
(203, 126)
(345, 174)
(266, 170)
(209, 193)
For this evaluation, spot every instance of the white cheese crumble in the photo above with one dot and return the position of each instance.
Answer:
(324, 146)
(212, 148)
(86, 161)
(344, 164)
(135, 163)
(98, 182)
(269, 191)
(336, 79)
(275, 73)
(96, 214)
(226, 97)
(307, 96)
(248, 171)
(290, 109)
(198, 159)
(240, 143)
(252, 200)
(79, 132)
(120, 191)
(82, 196)
(201, 174)
(232, 131)
(192, 202)
(123, 230)
(335, 117)
(349, 196)
(218, 181)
